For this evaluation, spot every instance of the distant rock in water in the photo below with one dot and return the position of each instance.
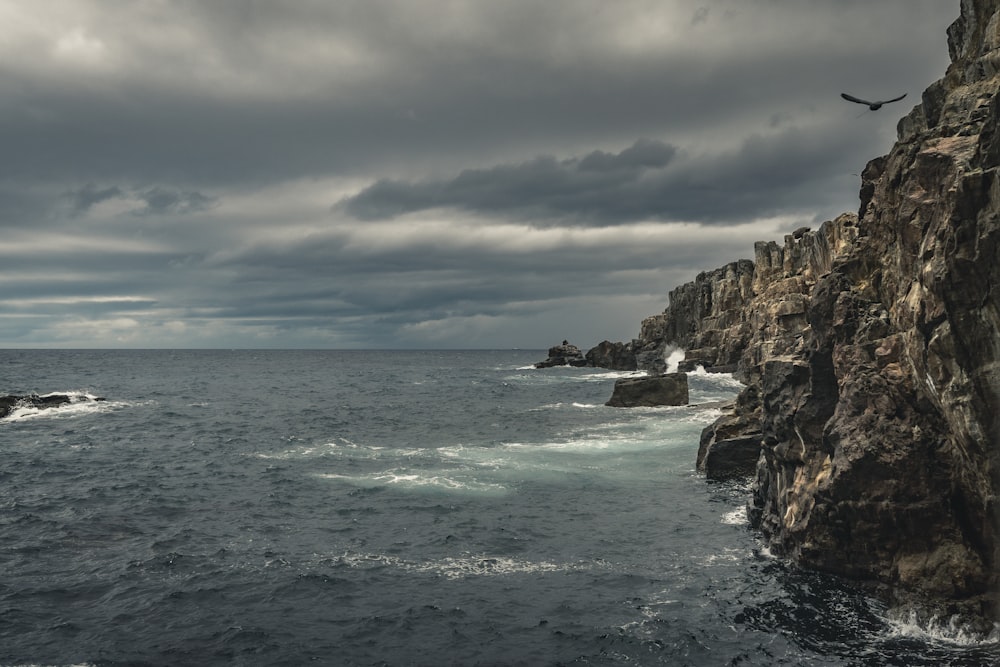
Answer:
(669, 389)
(10, 403)
(563, 355)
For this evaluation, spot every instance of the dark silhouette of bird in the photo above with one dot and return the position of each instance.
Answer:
(874, 106)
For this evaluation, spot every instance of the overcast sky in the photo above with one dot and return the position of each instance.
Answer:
(421, 173)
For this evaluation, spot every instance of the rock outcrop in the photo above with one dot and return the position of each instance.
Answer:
(614, 356)
(704, 317)
(881, 427)
(871, 354)
(563, 355)
(870, 351)
(659, 390)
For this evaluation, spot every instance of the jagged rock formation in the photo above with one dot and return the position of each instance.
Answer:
(614, 356)
(563, 355)
(704, 317)
(872, 358)
(773, 325)
(870, 350)
(881, 455)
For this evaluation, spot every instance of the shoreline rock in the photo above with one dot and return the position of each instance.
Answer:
(654, 391)
(563, 355)
(870, 351)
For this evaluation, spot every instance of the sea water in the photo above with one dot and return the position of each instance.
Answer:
(394, 508)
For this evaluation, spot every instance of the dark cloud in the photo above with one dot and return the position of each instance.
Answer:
(155, 200)
(542, 188)
(767, 175)
(161, 201)
(169, 173)
(90, 194)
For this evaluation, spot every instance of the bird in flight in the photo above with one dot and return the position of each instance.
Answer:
(874, 106)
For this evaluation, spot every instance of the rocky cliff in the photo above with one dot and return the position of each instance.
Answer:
(704, 317)
(871, 353)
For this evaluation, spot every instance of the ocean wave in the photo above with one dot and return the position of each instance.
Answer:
(737, 517)
(343, 448)
(417, 481)
(952, 631)
(463, 566)
(560, 405)
(80, 403)
(727, 555)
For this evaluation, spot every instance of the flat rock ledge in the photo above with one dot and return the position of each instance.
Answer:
(11, 402)
(655, 391)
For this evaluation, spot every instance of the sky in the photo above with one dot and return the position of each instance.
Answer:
(421, 174)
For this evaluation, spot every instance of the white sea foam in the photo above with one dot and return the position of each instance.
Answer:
(721, 379)
(737, 517)
(951, 630)
(463, 566)
(81, 403)
(342, 448)
(765, 553)
(727, 555)
(418, 481)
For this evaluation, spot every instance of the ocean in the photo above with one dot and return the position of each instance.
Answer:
(395, 508)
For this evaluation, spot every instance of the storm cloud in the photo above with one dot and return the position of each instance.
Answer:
(401, 174)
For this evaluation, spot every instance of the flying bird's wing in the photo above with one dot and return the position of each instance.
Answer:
(895, 99)
(852, 98)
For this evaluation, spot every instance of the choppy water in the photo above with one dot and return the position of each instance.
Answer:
(398, 508)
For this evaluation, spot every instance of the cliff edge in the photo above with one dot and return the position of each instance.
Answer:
(871, 353)
(881, 436)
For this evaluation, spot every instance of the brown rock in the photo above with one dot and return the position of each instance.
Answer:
(669, 389)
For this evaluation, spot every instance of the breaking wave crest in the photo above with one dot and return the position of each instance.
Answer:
(80, 403)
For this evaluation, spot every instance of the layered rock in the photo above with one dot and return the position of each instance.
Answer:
(871, 353)
(773, 326)
(881, 455)
(873, 359)
(704, 317)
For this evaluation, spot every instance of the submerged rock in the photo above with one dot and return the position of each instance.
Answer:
(10, 403)
(669, 389)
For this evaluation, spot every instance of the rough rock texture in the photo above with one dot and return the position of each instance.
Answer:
(731, 446)
(615, 356)
(704, 317)
(871, 353)
(880, 418)
(669, 389)
(563, 355)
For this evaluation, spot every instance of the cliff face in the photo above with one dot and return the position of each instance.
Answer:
(705, 317)
(871, 353)
(881, 438)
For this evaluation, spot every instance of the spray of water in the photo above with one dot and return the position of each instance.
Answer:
(673, 356)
